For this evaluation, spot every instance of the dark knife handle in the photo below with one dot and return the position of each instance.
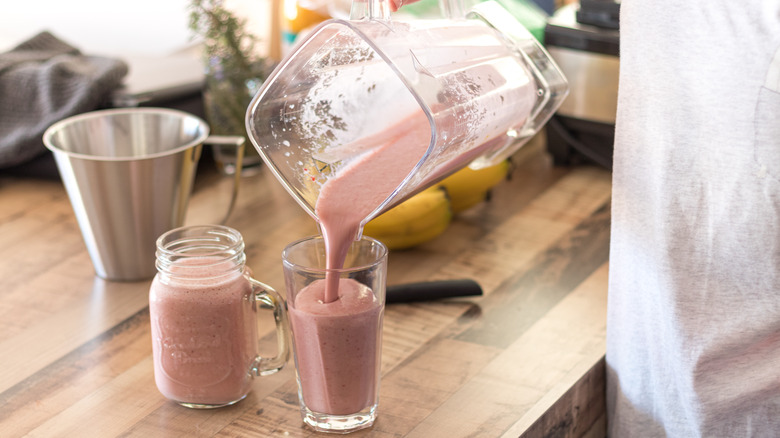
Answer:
(432, 290)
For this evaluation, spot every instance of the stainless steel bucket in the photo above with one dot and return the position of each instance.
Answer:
(129, 174)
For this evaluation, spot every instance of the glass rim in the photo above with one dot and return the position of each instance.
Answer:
(381, 256)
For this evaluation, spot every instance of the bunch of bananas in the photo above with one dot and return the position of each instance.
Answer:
(428, 214)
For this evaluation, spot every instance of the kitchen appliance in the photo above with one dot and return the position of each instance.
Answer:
(129, 173)
(469, 88)
(583, 39)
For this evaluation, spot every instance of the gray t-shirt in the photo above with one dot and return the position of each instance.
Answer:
(693, 338)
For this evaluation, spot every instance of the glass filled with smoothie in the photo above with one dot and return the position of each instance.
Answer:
(203, 307)
(336, 320)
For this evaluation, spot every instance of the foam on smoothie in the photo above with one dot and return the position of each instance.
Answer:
(361, 186)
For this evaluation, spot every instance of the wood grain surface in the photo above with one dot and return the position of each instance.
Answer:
(525, 359)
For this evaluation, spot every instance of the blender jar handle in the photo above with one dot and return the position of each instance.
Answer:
(370, 10)
(269, 298)
(239, 143)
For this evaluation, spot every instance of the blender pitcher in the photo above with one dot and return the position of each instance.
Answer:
(427, 96)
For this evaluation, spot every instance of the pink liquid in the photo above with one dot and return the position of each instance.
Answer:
(337, 336)
(336, 322)
(204, 335)
(359, 188)
(337, 347)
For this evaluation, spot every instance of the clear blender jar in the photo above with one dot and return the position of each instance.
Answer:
(468, 89)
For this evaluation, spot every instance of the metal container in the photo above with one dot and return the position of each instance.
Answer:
(128, 173)
(583, 39)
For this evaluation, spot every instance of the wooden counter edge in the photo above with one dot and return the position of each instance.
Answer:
(575, 408)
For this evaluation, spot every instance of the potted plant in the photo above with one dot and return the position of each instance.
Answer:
(234, 73)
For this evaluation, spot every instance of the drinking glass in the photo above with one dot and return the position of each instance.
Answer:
(338, 343)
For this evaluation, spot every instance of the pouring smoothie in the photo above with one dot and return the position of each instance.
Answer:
(349, 197)
(336, 322)
(361, 116)
(337, 346)
(338, 343)
(203, 313)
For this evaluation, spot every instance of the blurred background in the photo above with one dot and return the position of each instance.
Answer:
(173, 64)
(137, 28)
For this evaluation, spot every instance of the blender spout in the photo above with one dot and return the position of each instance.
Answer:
(370, 10)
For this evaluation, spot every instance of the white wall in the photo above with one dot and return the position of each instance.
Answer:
(115, 27)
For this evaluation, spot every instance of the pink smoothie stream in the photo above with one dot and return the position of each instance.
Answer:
(360, 187)
(204, 335)
(336, 322)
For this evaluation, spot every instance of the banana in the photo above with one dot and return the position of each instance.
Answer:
(296, 18)
(416, 220)
(468, 187)
(429, 213)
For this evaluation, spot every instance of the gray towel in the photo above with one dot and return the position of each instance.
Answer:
(44, 80)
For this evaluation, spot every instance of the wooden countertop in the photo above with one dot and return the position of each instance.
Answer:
(526, 359)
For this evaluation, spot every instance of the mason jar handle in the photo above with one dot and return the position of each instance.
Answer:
(238, 142)
(267, 296)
